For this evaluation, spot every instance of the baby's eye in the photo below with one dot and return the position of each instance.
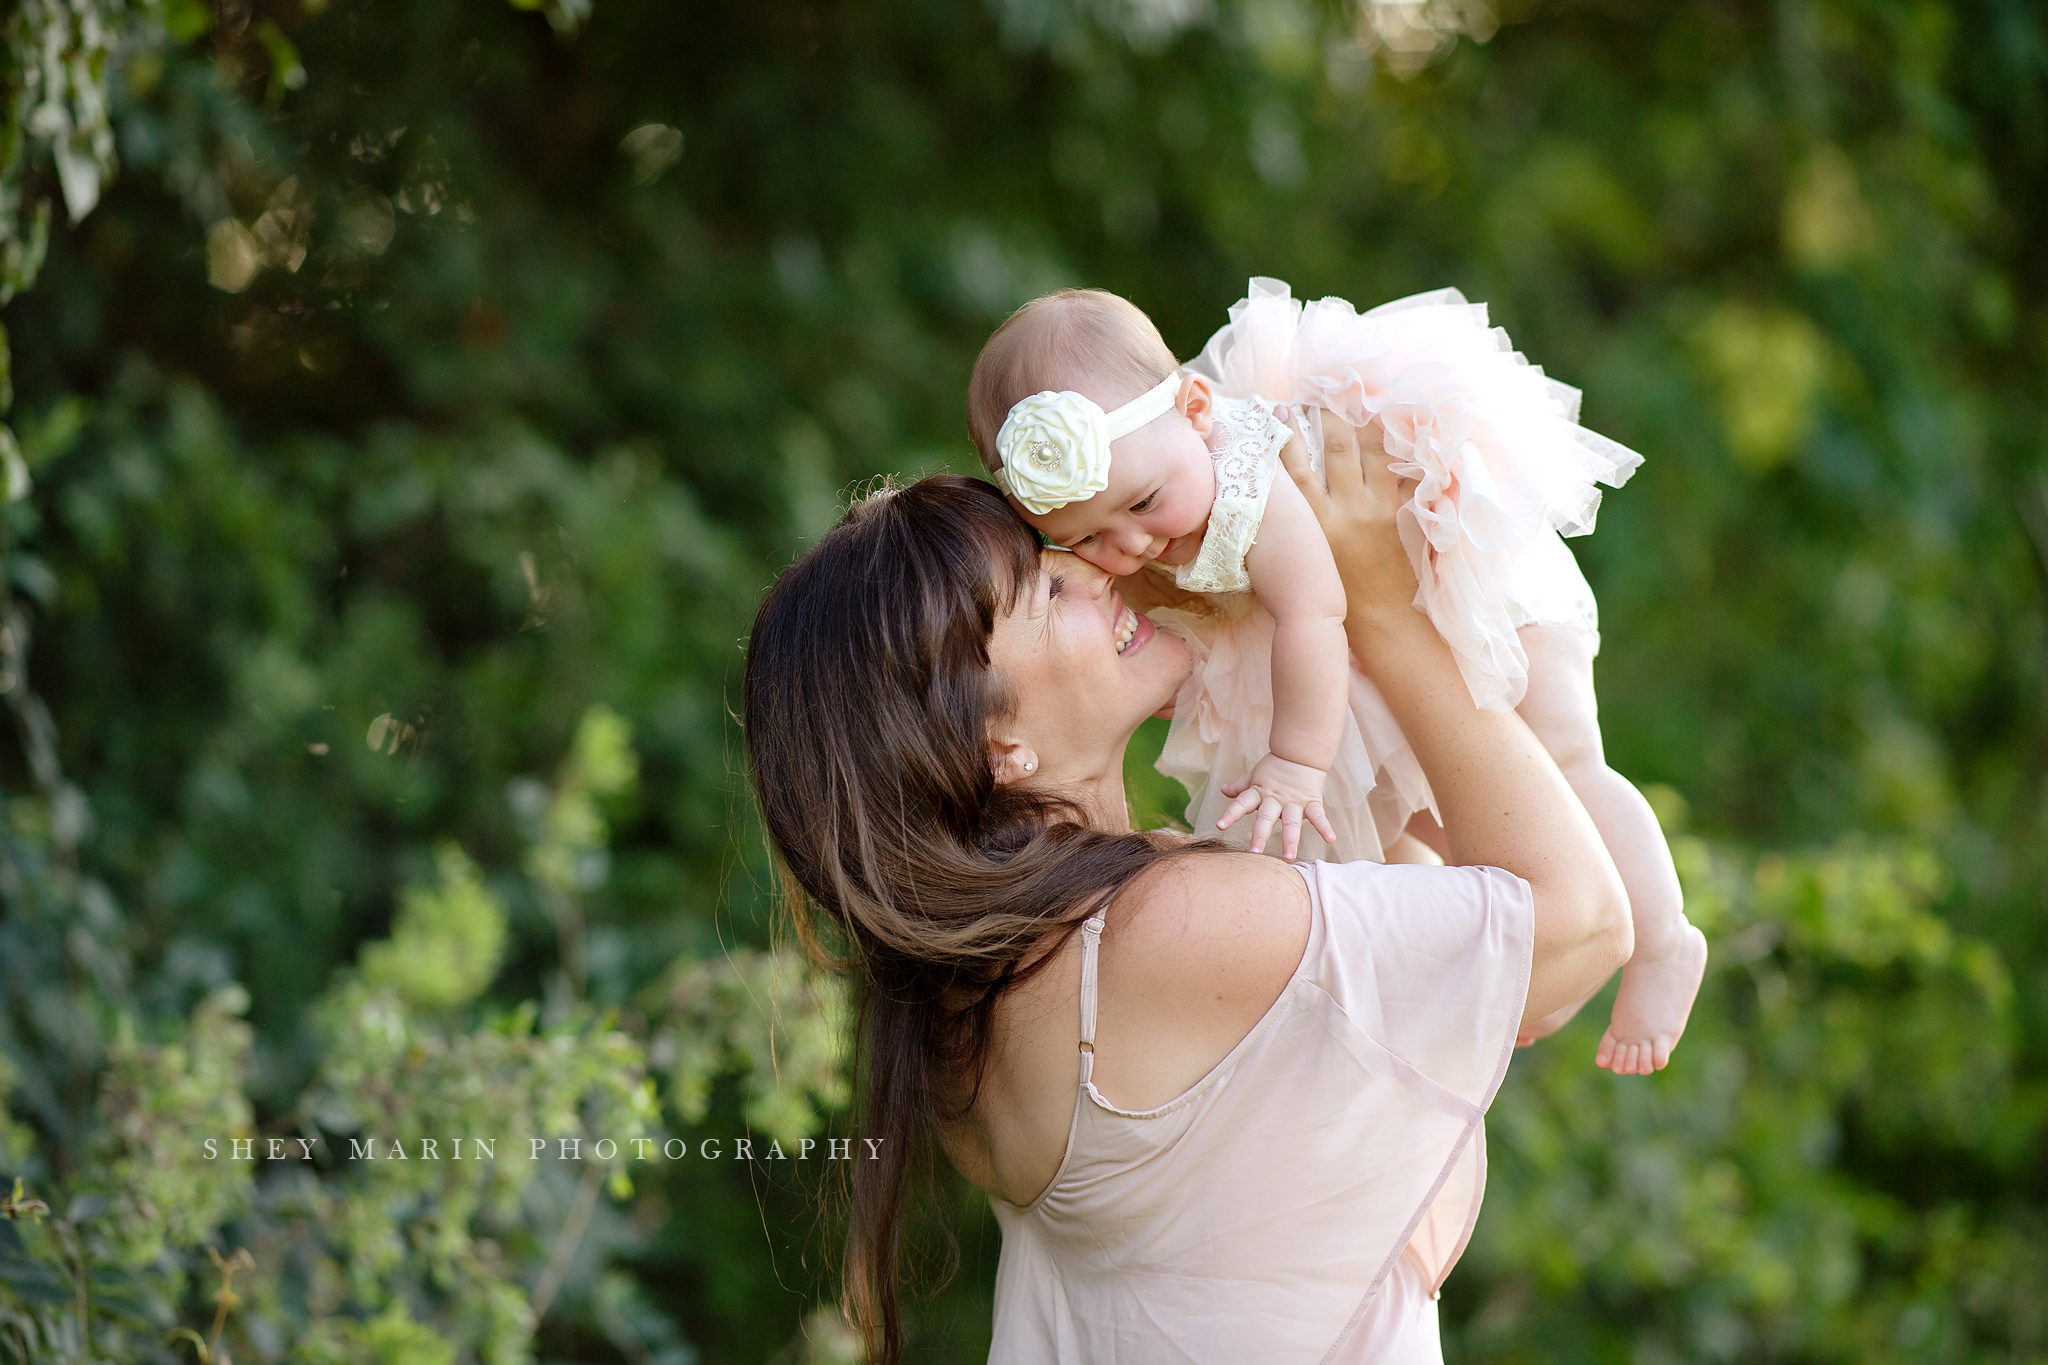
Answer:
(1088, 539)
(1145, 504)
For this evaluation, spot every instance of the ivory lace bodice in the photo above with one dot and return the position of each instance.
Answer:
(1245, 444)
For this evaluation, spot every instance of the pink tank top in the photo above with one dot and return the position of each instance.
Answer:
(1304, 1201)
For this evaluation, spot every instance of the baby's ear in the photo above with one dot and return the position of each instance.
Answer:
(1197, 403)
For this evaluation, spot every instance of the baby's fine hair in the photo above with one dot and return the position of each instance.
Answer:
(1087, 340)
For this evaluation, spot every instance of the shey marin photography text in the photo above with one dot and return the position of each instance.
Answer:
(748, 1148)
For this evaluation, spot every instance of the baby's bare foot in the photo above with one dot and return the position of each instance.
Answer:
(1652, 1006)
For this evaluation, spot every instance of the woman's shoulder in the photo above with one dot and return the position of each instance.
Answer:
(1238, 919)
(1212, 884)
(1243, 921)
(1195, 952)
(1208, 882)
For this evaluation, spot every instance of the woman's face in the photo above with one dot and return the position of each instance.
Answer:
(1084, 668)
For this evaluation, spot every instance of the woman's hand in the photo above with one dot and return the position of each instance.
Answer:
(1358, 513)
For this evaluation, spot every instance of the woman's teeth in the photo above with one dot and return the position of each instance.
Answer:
(1126, 627)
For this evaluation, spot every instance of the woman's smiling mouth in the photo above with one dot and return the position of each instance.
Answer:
(1132, 630)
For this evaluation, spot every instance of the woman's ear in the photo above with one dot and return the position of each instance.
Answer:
(1197, 403)
(1010, 761)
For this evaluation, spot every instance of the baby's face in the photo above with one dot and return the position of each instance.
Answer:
(1161, 487)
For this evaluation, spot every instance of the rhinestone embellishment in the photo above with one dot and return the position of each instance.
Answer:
(1045, 455)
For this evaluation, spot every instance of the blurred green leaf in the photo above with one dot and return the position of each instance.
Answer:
(447, 941)
(427, 439)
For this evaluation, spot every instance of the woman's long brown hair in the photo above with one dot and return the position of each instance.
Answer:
(868, 702)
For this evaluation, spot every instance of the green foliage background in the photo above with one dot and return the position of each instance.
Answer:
(401, 442)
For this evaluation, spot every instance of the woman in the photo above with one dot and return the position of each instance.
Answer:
(1273, 1150)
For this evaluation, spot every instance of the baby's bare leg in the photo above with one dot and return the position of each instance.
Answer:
(1659, 983)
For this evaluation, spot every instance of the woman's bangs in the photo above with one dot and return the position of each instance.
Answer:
(1012, 548)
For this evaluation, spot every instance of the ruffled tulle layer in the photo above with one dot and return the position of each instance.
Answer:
(1502, 465)
(1223, 723)
(1502, 469)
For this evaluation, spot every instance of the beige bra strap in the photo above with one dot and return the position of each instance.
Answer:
(1091, 941)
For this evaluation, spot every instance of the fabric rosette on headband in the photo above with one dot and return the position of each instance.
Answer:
(1055, 446)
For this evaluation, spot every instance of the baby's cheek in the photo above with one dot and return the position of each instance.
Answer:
(1109, 561)
(1187, 515)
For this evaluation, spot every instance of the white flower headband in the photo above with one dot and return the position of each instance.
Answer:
(1055, 446)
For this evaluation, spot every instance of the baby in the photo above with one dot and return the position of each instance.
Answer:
(1116, 452)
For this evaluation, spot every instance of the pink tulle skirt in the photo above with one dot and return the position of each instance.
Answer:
(1502, 470)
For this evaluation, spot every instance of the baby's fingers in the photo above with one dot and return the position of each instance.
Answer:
(1290, 830)
(1247, 801)
(1321, 820)
(1262, 829)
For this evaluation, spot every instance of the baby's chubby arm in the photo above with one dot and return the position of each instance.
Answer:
(1295, 578)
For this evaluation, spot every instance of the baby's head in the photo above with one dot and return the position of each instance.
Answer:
(1116, 497)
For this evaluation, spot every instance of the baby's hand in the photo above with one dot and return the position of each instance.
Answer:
(1279, 790)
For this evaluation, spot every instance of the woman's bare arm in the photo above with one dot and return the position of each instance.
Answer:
(1504, 802)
